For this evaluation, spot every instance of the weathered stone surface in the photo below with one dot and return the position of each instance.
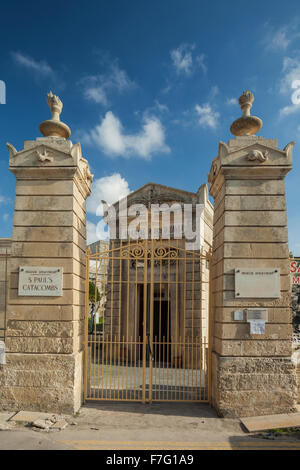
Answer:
(254, 250)
(227, 299)
(69, 297)
(6, 426)
(255, 234)
(48, 329)
(43, 249)
(242, 331)
(298, 383)
(256, 187)
(34, 398)
(43, 334)
(39, 345)
(68, 264)
(42, 382)
(254, 347)
(275, 315)
(265, 423)
(43, 218)
(30, 416)
(251, 203)
(259, 218)
(79, 211)
(46, 203)
(48, 234)
(250, 232)
(246, 386)
(46, 187)
(282, 264)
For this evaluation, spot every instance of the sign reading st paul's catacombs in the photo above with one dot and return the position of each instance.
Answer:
(259, 283)
(40, 281)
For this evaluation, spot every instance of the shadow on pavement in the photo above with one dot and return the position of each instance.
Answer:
(199, 410)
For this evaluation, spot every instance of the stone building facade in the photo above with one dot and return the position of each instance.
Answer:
(181, 286)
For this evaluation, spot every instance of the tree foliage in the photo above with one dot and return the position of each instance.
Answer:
(92, 296)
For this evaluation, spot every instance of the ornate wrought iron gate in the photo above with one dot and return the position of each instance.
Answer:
(147, 323)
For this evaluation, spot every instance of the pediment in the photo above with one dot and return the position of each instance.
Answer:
(40, 154)
(256, 153)
(249, 156)
(153, 193)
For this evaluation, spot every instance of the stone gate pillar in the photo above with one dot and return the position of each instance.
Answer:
(252, 372)
(44, 333)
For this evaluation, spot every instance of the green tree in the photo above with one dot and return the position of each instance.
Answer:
(92, 296)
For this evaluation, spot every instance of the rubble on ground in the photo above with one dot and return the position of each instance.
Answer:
(37, 421)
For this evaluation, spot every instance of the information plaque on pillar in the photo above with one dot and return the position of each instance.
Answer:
(257, 283)
(40, 281)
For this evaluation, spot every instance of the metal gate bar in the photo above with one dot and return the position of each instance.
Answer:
(147, 324)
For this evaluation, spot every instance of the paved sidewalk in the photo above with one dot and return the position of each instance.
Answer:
(134, 426)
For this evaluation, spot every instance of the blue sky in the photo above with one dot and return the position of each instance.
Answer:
(149, 88)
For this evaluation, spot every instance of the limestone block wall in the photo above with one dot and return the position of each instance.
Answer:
(251, 374)
(296, 361)
(5, 247)
(44, 335)
(298, 383)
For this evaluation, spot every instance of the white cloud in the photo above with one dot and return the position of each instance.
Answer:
(182, 58)
(288, 110)
(110, 137)
(96, 232)
(98, 87)
(96, 94)
(5, 217)
(207, 116)
(231, 101)
(162, 108)
(39, 67)
(200, 60)
(109, 189)
(153, 111)
(287, 85)
(278, 39)
(291, 72)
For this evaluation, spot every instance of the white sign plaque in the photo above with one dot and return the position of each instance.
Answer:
(257, 283)
(238, 315)
(40, 281)
(2, 353)
(257, 327)
(254, 314)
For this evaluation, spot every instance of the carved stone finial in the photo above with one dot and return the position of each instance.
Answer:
(245, 101)
(55, 106)
(54, 127)
(247, 124)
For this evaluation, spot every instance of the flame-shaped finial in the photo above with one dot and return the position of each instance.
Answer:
(54, 127)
